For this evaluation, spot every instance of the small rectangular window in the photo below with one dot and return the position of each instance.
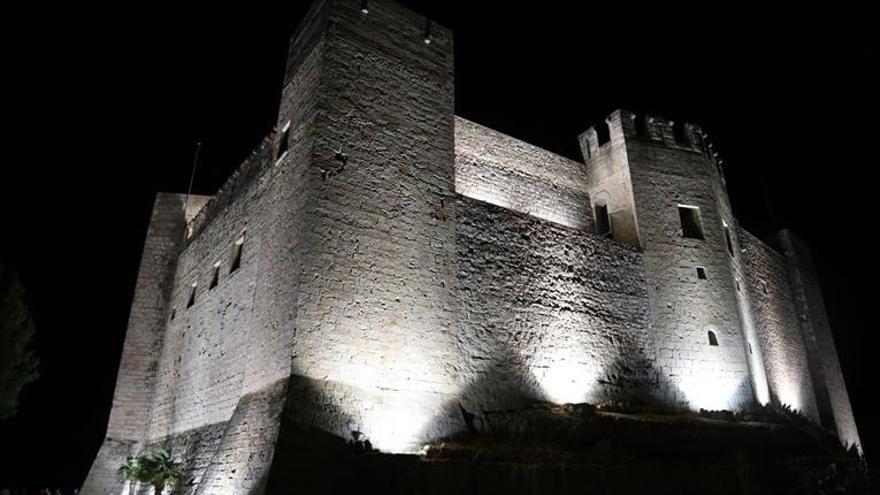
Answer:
(283, 140)
(603, 224)
(701, 273)
(236, 254)
(173, 313)
(215, 275)
(641, 126)
(192, 296)
(679, 133)
(691, 224)
(603, 133)
(727, 238)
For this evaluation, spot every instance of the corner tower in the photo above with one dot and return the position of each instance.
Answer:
(656, 185)
(375, 246)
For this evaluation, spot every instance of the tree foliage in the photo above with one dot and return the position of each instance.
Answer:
(18, 363)
(157, 468)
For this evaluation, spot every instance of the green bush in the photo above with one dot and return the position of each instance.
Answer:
(157, 468)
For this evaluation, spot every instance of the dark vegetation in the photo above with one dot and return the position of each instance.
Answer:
(18, 363)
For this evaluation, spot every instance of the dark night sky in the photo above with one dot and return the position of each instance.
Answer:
(106, 107)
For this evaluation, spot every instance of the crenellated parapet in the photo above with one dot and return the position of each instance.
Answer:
(623, 125)
(381, 270)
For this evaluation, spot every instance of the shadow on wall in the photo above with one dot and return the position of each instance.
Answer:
(629, 382)
(306, 443)
(313, 456)
(545, 314)
(551, 314)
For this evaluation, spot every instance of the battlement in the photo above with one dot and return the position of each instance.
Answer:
(623, 124)
(378, 267)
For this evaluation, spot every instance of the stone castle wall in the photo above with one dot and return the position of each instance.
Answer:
(776, 318)
(684, 307)
(132, 399)
(503, 171)
(832, 399)
(401, 266)
(375, 313)
(547, 312)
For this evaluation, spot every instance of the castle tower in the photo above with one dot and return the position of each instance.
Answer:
(140, 355)
(376, 275)
(832, 401)
(378, 268)
(656, 186)
(321, 275)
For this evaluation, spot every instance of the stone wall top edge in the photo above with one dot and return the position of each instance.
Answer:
(253, 167)
(526, 218)
(498, 135)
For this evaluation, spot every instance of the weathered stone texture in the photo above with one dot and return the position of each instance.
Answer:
(503, 171)
(547, 312)
(685, 308)
(375, 309)
(401, 267)
(610, 185)
(131, 402)
(240, 461)
(776, 319)
(136, 380)
(835, 409)
(235, 338)
(102, 477)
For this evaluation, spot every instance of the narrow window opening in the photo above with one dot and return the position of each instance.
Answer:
(738, 289)
(728, 239)
(691, 225)
(603, 133)
(173, 313)
(427, 35)
(283, 142)
(641, 126)
(750, 347)
(701, 273)
(192, 296)
(236, 254)
(603, 222)
(713, 340)
(215, 275)
(679, 133)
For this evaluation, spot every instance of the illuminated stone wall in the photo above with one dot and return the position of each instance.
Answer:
(234, 342)
(548, 312)
(400, 265)
(778, 325)
(832, 399)
(375, 317)
(684, 308)
(132, 398)
(503, 171)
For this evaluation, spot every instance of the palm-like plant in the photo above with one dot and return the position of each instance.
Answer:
(161, 469)
(132, 471)
(157, 468)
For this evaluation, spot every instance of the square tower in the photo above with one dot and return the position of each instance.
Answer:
(662, 190)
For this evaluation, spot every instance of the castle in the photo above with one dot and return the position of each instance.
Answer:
(378, 266)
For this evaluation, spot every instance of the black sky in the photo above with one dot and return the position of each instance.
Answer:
(106, 107)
